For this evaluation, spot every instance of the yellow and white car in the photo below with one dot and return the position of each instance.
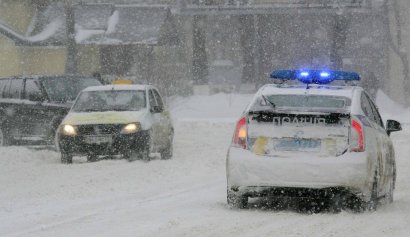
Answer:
(128, 120)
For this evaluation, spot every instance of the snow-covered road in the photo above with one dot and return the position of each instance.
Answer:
(184, 196)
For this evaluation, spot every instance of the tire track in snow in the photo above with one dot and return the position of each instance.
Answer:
(126, 206)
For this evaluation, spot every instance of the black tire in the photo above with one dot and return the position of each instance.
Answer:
(142, 152)
(4, 138)
(55, 143)
(355, 204)
(235, 200)
(132, 156)
(306, 205)
(66, 158)
(337, 203)
(374, 199)
(145, 152)
(390, 195)
(92, 158)
(167, 152)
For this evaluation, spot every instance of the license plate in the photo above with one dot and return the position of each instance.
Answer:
(298, 145)
(98, 139)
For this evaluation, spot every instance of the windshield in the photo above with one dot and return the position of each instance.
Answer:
(110, 101)
(308, 101)
(66, 88)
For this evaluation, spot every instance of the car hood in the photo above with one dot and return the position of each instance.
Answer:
(108, 117)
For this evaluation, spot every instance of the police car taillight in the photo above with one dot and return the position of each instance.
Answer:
(241, 133)
(356, 137)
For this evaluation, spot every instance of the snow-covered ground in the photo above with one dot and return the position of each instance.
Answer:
(184, 196)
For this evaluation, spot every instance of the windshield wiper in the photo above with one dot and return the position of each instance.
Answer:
(268, 101)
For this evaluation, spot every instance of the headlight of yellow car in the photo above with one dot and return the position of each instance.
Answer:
(130, 128)
(69, 130)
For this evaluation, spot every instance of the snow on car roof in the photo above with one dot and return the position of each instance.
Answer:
(345, 91)
(116, 87)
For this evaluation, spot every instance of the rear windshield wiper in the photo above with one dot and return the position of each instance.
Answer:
(268, 101)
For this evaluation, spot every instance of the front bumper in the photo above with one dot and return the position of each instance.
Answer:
(251, 174)
(121, 144)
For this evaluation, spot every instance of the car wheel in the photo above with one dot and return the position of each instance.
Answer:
(168, 151)
(236, 200)
(147, 148)
(374, 200)
(92, 158)
(337, 203)
(131, 155)
(4, 138)
(55, 142)
(355, 204)
(390, 197)
(66, 158)
(308, 205)
(390, 194)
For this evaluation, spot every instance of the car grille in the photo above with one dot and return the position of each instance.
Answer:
(99, 129)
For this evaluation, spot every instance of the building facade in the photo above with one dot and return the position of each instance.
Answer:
(188, 42)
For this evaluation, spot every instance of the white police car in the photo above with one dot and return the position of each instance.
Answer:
(128, 120)
(301, 138)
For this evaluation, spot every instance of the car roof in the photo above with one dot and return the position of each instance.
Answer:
(117, 87)
(344, 91)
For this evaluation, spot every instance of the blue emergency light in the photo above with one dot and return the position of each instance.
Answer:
(314, 76)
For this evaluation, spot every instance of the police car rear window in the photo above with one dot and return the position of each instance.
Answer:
(308, 101)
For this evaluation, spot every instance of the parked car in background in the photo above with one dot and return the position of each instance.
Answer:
(127, 120)
(32, 107)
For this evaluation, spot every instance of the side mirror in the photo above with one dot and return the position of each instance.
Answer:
(392, 126)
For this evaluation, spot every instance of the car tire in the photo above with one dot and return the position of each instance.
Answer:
(168, 151)
(355, 204)
(133, 155)
(390, 195)
(235, 200)
(337, 203)
(92, 158)
(66, 158)
(147, 148)
(56, 142)
(309, 205)
(4, 138)
(374, 199)
(142, 152)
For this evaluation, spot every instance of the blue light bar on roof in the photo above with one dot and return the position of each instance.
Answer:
(315, 76)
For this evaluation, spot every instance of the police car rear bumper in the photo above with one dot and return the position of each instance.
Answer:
(120, 144)
(251, 174)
